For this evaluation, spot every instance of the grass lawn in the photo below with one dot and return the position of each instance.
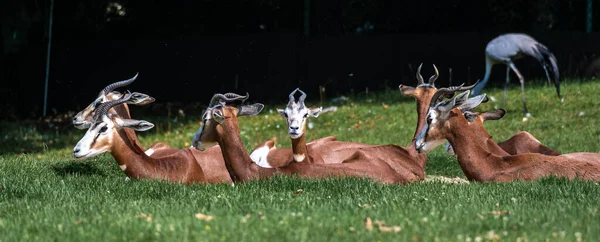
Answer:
(47, 195)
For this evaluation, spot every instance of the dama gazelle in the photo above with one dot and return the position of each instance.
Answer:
(520, 143)
(329, 150)
(477, 153)
(83, 119)
(325, 150)
(220, 125)
(110, 132)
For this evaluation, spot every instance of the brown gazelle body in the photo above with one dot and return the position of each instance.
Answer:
(221, 126)
(109, 132)
(520, 143)
(83, 119)
(477, 157)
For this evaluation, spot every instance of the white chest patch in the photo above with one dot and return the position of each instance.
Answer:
(299, 158)
(123, 167)
(259, 156)
(149, 152)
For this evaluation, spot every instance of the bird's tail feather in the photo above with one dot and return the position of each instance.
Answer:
(548, 61)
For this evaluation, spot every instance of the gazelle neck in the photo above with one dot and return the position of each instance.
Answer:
(136, 164)
(299, 149)
(471, 147)
(128, 153)
(123, 111)
(422, 109)
(238, 162)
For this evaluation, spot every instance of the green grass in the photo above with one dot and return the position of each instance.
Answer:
(47, 195)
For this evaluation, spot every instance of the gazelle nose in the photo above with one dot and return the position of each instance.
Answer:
(76, 151)
(294, 127)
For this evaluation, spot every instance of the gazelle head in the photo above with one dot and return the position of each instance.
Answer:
(440, 114)
(220, 111)
(82, 120)
(478, 119)
(296, 114)
(103, 127)
(423, 90)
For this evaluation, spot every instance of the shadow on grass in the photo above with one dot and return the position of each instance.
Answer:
(82, 169)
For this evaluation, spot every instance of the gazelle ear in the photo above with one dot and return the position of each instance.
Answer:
(137, 125)
(473, 102)
(446, 106)
(315, 111)
(461, 98)
(251, 109)
(407, 90)
(458, 100)
(494, 115)
(470, 116)
(140, 99)
(281, 112)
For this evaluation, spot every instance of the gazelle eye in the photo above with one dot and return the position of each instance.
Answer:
(103, 129)
(428, 120)
(306, 115)
(285, 114)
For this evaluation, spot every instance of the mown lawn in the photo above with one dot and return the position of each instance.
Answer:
(47, 195)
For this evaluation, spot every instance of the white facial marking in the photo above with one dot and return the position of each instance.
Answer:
(123, 167)
(296, 120)
(299, 158)
(149, 152)
(430, 145)
(88, 146)
(420, 143)
(259, 156)
(433, 115)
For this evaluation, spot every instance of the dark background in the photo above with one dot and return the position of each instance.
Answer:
(185, 51)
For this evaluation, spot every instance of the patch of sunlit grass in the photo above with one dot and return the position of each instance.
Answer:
(45, 194)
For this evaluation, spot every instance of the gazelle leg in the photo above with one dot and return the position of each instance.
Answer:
(506, 84)
(522, 80)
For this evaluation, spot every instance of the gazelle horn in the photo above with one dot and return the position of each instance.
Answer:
(302, 97)
(419, 77)
(448, 92)
(434, 77)
(105, 106)
(227, 97)
(118, 84)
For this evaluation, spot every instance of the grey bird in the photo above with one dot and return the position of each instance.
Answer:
(507, 48)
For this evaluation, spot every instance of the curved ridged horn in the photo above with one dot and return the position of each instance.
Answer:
(419, 77)
(105, 106)
(302, 97)
(227, 97)
(291, 96)
(448, 92)
(434, 77)
(118, 84)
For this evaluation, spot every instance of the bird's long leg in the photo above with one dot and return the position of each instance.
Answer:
(522, 80)
(506, 84)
